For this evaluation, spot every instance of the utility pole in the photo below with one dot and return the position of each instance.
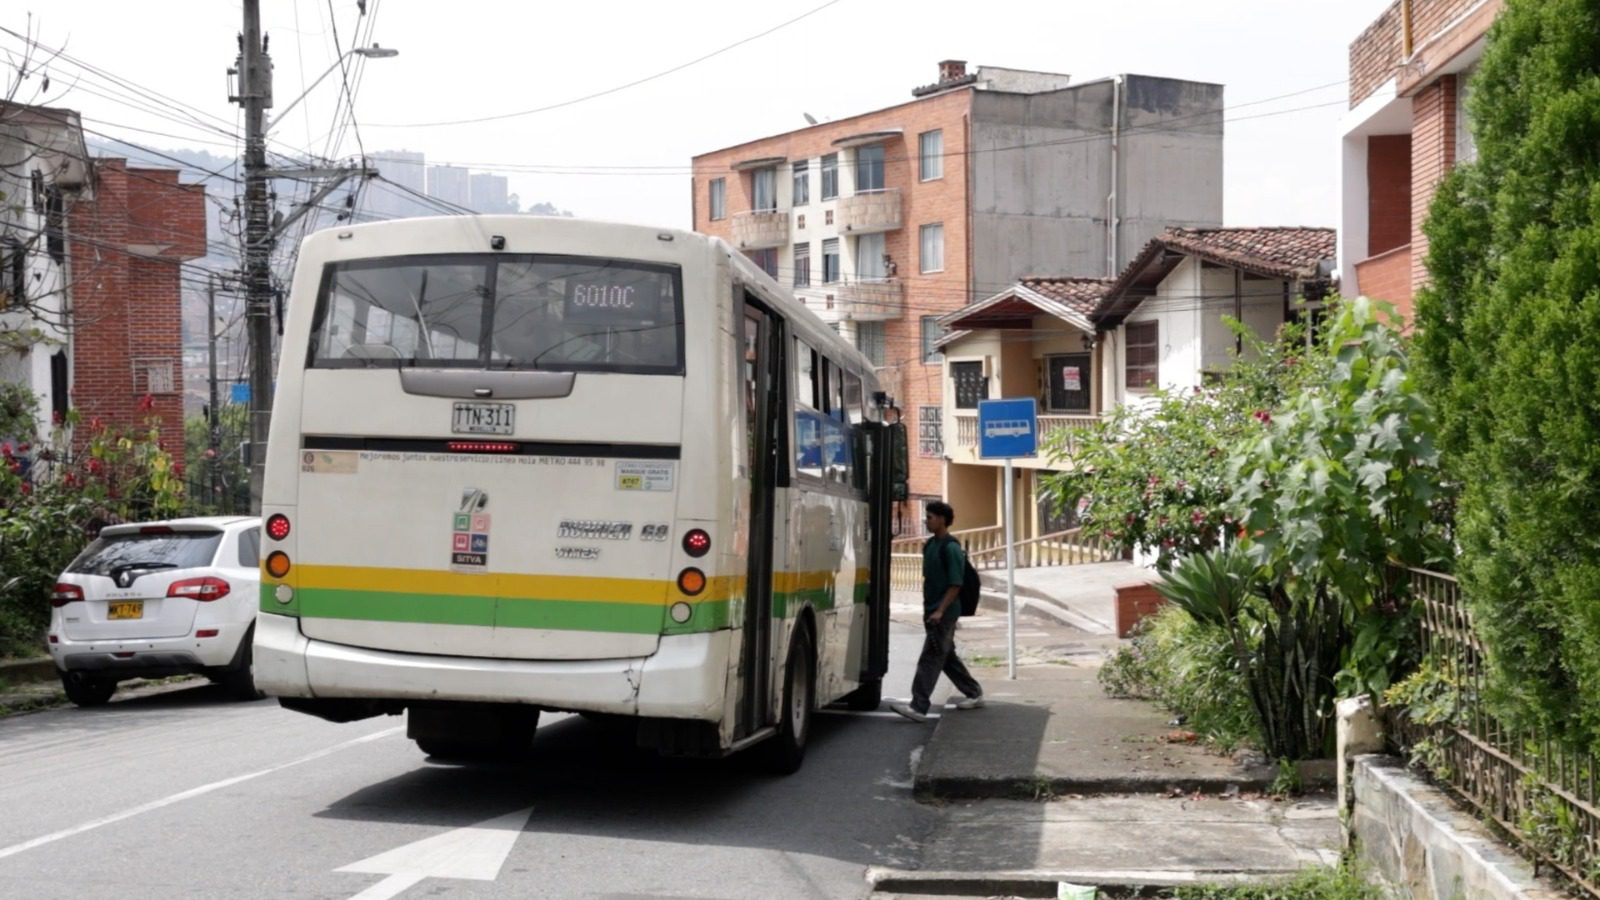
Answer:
(255, 95)
(213, 426)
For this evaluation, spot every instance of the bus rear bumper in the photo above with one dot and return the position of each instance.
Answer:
(684, 679)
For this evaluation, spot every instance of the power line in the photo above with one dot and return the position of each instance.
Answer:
(621, 87)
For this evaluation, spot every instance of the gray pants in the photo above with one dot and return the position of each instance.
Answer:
(939, 655)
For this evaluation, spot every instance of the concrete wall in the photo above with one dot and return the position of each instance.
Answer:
(45, 282)
(1042, 174)
(1418, 840)
(1189, 308)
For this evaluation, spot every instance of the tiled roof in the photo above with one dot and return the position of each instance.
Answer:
(1280, 252)
(1080, 295)
(1293, 254)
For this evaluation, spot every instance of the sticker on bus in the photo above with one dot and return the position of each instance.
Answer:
(644, 476)
(329, 462)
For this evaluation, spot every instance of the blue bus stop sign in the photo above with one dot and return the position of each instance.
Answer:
(1008, 429)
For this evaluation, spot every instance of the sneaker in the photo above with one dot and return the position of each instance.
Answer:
(904, 709)
(970, 702)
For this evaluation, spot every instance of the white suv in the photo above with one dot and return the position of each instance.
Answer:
(158, 599)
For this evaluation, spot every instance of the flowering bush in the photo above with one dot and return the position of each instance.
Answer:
(55, 496)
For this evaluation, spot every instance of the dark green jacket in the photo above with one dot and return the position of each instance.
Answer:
(944, 564)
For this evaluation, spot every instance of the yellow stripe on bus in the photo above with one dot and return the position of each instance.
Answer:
(509, 586)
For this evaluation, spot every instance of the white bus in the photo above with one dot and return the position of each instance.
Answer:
(522, 463)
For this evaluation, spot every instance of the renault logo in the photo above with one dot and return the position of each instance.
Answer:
(124, 579)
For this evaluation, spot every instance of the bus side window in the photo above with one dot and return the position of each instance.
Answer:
(839, 451)
(808, 419)
(855, 415)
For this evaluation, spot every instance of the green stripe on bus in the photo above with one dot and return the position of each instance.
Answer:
(444, 609)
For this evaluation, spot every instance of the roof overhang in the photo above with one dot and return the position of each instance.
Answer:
(54, 140)
(863, 138)
(1014, 308)
(761, 162)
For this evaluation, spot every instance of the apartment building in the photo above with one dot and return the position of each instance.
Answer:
(885, 221)
(1410, 72)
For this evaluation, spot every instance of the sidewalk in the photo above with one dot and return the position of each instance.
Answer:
(1054, 781)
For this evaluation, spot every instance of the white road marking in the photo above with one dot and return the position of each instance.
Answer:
(475, 852)
(190, 794)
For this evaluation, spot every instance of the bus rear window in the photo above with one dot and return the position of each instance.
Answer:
(503, 311)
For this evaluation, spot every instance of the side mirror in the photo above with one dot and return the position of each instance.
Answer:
(899, 463)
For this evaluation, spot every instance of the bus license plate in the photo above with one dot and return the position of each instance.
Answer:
(484, 418)
(126, 609)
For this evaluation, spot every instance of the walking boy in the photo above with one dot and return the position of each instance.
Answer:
(943, 565)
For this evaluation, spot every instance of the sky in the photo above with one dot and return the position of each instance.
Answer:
(625, 155)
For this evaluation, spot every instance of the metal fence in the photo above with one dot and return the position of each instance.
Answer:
(986, 548)
(1538, 789)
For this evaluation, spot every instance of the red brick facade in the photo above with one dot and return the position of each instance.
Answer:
(1379, 53)
(1433, 154)
(127, 247)
(1388, 192)
(913, 383)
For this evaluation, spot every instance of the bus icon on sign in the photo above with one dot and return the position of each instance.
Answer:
(1008, 428)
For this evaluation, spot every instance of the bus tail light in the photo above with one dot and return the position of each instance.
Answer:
(278, 526)
(203, 589)
(64, 593)
(278, 564)
(697, 543)
(691, 582)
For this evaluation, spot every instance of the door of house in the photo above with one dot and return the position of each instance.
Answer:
(1069, 389)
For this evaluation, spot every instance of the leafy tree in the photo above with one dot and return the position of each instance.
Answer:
(1153, 475)
(1338, 487)
(1509, 338)
(230, 493)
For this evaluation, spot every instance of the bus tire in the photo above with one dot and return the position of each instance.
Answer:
(510, 737)
(866, 698)
(783, 753)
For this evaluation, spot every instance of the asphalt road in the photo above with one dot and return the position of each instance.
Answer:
(185, 794)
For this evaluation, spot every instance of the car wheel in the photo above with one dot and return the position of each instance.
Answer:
(238, 680)
(87, 690)
(782, 753)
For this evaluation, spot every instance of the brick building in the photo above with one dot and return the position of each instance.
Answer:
(885, 221)
(127, 248)
(1409, 76)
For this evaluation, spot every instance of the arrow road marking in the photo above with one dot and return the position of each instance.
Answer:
(187, 795)
(475, 853)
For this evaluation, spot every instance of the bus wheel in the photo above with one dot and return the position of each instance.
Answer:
(782, 753)
(475, 735)
(867, 697)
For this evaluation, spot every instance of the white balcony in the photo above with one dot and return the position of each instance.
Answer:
(870, 212)
(761, 230)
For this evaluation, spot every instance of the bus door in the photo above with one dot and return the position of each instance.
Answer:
(762, 386)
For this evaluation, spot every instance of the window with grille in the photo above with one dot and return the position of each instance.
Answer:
(970, 384)
(870, 341)
(932, 331)
(802, 265)
(1144, 354)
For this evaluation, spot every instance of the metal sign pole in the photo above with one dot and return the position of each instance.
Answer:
(1011, 580)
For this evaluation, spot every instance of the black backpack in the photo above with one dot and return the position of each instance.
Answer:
(971, 585)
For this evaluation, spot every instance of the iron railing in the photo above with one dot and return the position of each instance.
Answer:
(986, 548)
(1538, 789)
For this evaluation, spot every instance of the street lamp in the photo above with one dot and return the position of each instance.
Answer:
(373, 52)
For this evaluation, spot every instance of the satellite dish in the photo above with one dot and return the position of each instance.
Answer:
(809, 118)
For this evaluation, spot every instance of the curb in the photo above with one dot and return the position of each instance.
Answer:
(1012, 787)
(1041, 604)
(22, 670)
(1042, 883)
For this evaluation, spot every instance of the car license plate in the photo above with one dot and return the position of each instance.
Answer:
(484, 418)
(126, 609)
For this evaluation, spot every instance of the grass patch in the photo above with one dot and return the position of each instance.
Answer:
(983, 661)
(1343, 882)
